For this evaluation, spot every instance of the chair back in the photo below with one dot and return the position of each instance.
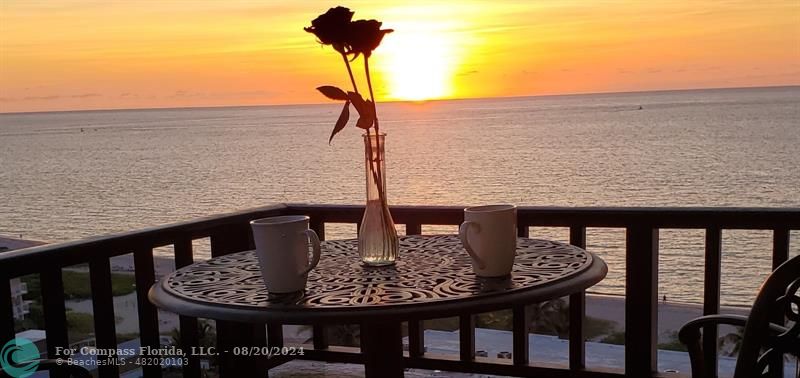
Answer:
(778, 300)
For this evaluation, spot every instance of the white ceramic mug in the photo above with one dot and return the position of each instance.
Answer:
(282, 250)
(489, 234)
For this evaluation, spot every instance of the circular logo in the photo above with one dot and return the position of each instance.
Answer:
(19, 358)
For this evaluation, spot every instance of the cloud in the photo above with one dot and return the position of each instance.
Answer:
(213, 95)
(49, 97)
(40, 98)
(186, 94)
(85, 95)
(248, 93)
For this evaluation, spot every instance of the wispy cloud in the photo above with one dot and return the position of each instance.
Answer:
(49, 97)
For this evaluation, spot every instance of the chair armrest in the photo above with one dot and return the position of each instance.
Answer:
(691, 330)
(689, 335)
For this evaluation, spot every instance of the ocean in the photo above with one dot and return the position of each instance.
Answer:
(69, 175)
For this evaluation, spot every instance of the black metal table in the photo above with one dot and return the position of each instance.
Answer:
(433, 278)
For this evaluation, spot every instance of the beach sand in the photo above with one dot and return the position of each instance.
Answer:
(671, 315)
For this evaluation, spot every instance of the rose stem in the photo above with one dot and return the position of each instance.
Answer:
(369, 145)
(374, 168)
(374, 109)
(350, 72)
(377, 126)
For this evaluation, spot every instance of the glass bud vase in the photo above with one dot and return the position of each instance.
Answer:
(377, 238)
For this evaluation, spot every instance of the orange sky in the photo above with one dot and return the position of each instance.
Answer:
(65, 55)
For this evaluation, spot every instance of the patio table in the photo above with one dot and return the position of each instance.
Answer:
(433, 278)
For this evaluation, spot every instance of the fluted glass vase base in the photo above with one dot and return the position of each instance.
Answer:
(377, 238)
(377, 263)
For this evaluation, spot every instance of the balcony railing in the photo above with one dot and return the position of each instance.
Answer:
(230, 233)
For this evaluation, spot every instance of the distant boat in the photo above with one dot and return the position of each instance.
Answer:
(640, 107)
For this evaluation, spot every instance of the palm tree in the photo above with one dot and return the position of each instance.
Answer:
(206, 337)
(734, 339)
(206, 334)
(551, 317)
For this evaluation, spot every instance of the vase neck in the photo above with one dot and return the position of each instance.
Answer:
(375, 165)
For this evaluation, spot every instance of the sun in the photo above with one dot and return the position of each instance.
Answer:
(418, 62)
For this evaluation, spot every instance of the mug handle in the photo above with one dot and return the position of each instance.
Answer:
(311, 234)
(462, 234)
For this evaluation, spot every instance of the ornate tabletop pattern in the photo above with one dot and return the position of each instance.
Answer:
(429, 268)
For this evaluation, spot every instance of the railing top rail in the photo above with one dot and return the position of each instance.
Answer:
(659, 217)
(76, 252)
(79, 251)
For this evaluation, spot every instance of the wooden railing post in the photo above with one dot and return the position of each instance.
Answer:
(318, 225)
(319, 333)
(144, 271)
(466, 337)
(188, 325)
(711, 294)
(231, 239)
(521, 347)
(227, 240)
(523, 230)
(416, 328)
(55, 317)
(780, 247)
(780, 253)
(320, 337)
(6, 310)
(103, 310)
(577, 311)
(641, 301)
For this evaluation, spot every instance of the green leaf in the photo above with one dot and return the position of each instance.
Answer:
(333, 93)
(368, 116)
(366, 110)
(364, 122)
(358, 101)
(341, 122)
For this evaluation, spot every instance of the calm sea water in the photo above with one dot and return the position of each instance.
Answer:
(69, 175)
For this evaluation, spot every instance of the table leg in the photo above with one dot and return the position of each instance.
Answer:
(382, 346)
(233, 335)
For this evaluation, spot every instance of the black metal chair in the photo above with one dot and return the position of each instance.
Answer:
(72, 371)
(764, 344)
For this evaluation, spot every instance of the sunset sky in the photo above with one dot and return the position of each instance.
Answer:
(68, 55)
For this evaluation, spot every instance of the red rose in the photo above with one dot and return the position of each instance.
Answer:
(332, 27)
(364, 36)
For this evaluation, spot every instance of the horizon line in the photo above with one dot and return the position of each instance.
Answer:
(403, 101)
